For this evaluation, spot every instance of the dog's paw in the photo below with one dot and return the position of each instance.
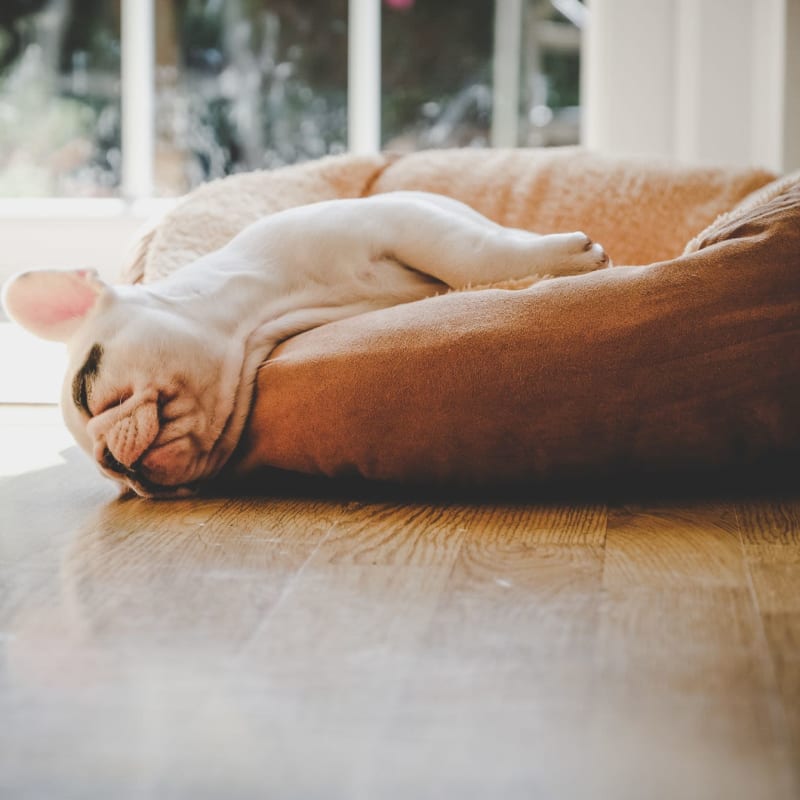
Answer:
(587, 255)
(573, 254)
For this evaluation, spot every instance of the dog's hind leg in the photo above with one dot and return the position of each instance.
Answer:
(455, 244)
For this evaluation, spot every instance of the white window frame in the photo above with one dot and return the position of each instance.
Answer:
(138, 140)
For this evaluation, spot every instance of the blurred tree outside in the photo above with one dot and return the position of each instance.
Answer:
(251, 84)
(436, 73)
(248, 84)
(59, 98)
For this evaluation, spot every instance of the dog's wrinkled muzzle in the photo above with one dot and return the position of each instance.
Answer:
(129, 436)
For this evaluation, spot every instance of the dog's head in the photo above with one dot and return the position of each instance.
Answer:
(147, 394)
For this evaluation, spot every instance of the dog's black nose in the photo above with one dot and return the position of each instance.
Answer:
(110, 462)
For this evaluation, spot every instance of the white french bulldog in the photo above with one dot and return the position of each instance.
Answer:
(161, 376)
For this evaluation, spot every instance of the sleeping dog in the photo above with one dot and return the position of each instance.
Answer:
(161, 376)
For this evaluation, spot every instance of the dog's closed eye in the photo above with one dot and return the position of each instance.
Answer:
(84, 378)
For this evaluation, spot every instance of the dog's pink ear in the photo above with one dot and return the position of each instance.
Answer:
(52, 303)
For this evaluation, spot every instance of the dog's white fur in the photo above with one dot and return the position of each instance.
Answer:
(163, 407)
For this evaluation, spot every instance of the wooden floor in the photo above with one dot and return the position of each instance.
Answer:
(320, 644)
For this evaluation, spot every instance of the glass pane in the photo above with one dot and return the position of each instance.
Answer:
(437, 73)
(247, 84)
(550, 85)
(59, 98)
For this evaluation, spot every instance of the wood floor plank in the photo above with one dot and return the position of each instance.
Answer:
(331, 656)
(771, 542)
(782, 632)
(405, 535)
(775, 573)
(484, 705)
(770, 523)
(681, 641)
(686, 681)
(672, 546)
(137, 570)
(47, 486)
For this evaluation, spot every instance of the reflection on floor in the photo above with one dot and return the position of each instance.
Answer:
(320, 643)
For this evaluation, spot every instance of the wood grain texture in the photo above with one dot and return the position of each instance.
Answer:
(771, 538)
(343, 645)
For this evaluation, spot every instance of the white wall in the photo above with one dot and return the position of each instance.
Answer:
(72, 233)
(705, 81)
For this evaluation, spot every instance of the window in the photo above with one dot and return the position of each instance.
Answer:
(497, 74)
(197, 89)
(247, 85)
(59, 99)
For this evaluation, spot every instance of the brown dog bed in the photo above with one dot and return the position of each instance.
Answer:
(688, 360)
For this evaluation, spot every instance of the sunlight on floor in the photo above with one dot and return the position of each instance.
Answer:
(32, 438)
(32, 369)
(32, 372)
